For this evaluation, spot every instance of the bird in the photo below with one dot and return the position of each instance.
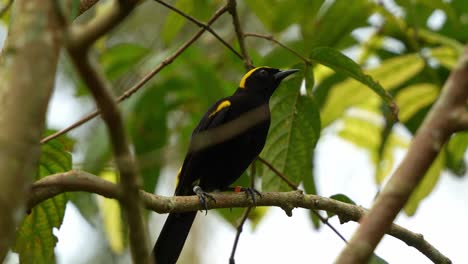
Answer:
(227, 139)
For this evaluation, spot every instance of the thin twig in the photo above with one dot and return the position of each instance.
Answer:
(76, 181)
(77, 48)
(294, 187)
(240, 227)
(232, 4)
(325, 222)
(272, 39)
(143, 80)
(202, 25)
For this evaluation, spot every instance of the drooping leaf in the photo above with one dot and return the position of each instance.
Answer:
(426, 186)
(413, 98)
(342, 198)
(390, 74)
(366, 133)
(35, 241)
(455, 151)
(375, 259)
(340, 63)
(446, 56)
(112, 218)
(294, 131)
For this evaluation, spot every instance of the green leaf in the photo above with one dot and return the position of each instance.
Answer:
(455, 152)
(377, 260)
(174, 22)
(446, 56)
(342, 64)
(414, 98)
(367, 134)
(334, 22)
(342, 198)
(35, 241)
(426, 186)
(390, 74)
(98, 151)
(294, 131)
(121, 57)
(148, 130)
(277, 16)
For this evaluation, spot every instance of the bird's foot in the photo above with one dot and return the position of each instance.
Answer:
(251, 192)
(203, 197)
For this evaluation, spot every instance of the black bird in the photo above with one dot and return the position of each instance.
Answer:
(231, 134)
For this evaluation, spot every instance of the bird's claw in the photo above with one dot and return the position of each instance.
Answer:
(203, 197)
(252, 193)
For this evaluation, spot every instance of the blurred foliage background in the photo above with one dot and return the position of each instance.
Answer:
(407, 47)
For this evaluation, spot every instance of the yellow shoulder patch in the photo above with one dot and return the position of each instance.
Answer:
(247, 75)
(220, 107)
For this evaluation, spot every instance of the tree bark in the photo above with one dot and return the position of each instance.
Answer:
(27, 69)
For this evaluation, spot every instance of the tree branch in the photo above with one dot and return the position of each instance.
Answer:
(83, 36)
(74, 181)
(27, 69)
(232, 5)
(129, 182)
(85, 5)
(438, 126)
(143, 80)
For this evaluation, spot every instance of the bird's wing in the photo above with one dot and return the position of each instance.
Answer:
(215, 116)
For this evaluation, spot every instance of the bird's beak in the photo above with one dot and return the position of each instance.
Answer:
(283, 74)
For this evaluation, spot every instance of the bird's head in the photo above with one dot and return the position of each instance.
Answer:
(263, 80)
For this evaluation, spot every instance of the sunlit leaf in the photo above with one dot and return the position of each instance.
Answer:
(413, 98)
(111, 217)
(390, 74)
(426, 186)
(446, 56)
(340, 63)
(455, 152)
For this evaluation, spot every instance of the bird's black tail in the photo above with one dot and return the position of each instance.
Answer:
(172, 237)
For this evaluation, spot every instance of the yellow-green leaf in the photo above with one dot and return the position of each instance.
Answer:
(426, 186)
(390, 74)
(413, 98)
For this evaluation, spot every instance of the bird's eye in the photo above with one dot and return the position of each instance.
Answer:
(263, 73)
